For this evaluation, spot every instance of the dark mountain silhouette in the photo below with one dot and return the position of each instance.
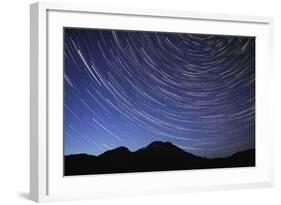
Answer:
(157, 156)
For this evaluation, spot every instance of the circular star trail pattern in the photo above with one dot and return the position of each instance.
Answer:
(129, 88)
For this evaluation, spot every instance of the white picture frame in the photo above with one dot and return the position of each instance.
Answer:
(46, 178)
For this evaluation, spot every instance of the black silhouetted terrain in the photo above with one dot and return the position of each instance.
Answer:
(157, 156)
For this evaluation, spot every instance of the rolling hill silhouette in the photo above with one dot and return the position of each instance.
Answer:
(157, 156)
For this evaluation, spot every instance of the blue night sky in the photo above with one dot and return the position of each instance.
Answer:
(129, 88)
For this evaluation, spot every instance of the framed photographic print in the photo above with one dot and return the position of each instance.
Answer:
(127, 102)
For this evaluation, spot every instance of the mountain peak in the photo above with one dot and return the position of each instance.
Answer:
(160, 143)
(161, 147)
(120, 150)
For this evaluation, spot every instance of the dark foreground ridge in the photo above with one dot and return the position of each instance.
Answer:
(157, 156)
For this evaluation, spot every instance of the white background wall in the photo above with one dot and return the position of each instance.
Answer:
(14, 101)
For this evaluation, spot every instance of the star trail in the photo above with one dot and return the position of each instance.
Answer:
(129, 88)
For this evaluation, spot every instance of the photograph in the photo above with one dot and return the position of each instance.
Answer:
(146, 101)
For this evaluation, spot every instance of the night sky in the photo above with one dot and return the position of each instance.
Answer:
(129, 88)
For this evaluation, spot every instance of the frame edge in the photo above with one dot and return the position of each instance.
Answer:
(38, 104)
(34, 179)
